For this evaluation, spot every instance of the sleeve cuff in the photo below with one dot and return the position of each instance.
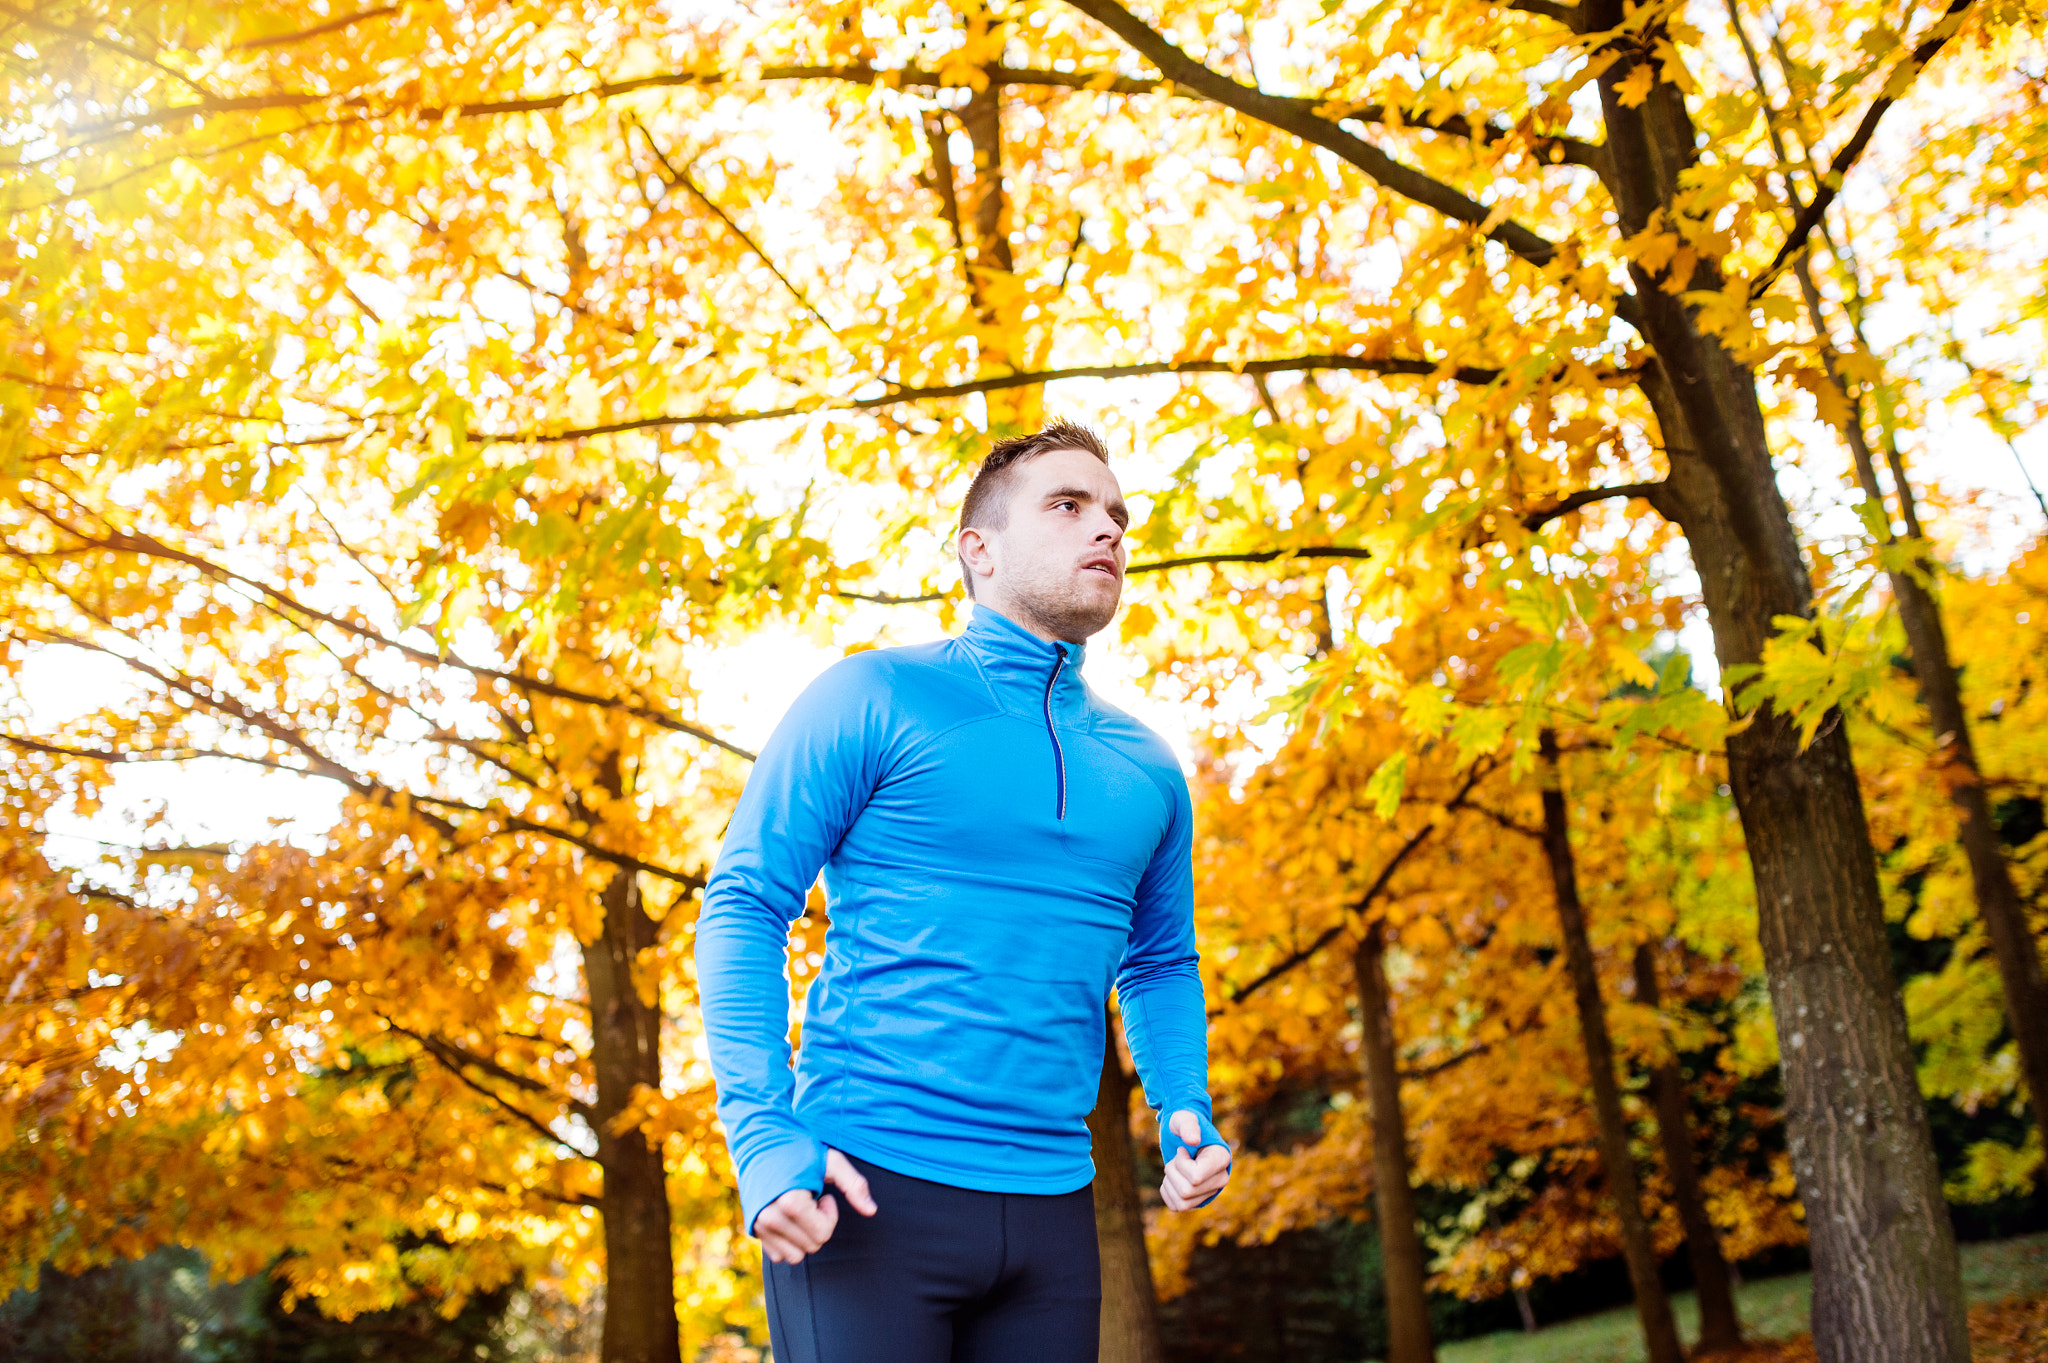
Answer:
(775, 1171)
(1171, 1144)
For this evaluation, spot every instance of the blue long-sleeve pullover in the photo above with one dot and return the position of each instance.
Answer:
(999, 847)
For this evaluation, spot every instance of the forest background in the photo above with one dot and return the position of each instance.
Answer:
(1583, 551)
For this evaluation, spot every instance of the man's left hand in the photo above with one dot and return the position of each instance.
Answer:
(1192, 1180)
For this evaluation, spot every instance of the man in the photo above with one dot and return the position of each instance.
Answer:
(999, 846)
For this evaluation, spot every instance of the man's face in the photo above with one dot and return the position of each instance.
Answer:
(1057, 567)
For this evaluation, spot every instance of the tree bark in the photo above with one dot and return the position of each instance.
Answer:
(1401, 1258)
(1720, 1326)
(1638, 1248)
(625, 1051)
(1886, 1283)
(1130, 1310)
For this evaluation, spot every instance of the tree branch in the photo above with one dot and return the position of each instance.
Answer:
(455, 1056)
(1831, 185)
(498, 1100)
(1650, 492)
(1288, 116)
(512, 823)
(367, 788)
(316, 31)
(1512, 825)
(1472, 778)
(135, 542)
(1000, 382)
(1575, 151)
(679, 177)
(1160, 565)
(1568, 15)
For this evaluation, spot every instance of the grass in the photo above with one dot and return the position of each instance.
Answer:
(1773, 1308)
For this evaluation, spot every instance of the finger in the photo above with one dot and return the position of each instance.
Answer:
(1177, 1180)
(839, 1172)
(1173, 1200)
(1209, 1162)
(1186, 1127)
(824, 1221)
(778, 1248)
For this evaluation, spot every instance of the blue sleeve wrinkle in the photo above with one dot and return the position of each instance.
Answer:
(808, 786)
(1159, 986)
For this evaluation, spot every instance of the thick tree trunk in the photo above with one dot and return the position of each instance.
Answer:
(1638, 1248)
(1886, 1282)
(1130, 1311)
(1401, 1259)
(1720, 1326)
(625, 1050)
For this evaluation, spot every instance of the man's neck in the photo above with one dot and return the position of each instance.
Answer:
(1023, 619)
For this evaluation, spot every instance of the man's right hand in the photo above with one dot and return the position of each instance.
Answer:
(797, 1223)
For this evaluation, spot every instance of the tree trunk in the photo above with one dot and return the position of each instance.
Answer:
(1886, 1283)
(1653, 1307)
(1130, 1311)
(1720, 1326)
(2005, 917)
(625, 1051)
(1998, 900)
(1401, 1260)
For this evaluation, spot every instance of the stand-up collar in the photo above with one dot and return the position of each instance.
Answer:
(1019, 665)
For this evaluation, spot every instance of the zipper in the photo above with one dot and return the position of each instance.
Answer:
(1059, 756)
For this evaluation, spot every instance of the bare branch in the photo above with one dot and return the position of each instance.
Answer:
(1479, 771)
(1650, 492)
(1253, 556)
(1000, 382)
(455, 1056)
(1160, 565)
(679, 177)
(1573, 150)
(317, 31)
(504, 1105)
(1288, 116)
(1831, 184)
(512, 823)
(1568, 15)
(136, 542)
(1512, 825)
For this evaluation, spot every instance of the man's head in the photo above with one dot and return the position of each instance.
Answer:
(1042, 532)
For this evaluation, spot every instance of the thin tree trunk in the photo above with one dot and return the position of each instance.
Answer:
(1130, 1310)
(1887, 1288)
(1998, 901)
(1401, 1259)
(1653, 1307)
(625, 1051)
(1720, 1326)
(2005, 917)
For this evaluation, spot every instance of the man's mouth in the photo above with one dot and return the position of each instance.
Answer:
(1102, 565)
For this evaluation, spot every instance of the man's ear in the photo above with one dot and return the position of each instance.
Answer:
(975, 553)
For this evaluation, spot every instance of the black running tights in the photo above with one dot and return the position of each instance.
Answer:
(943, 1275)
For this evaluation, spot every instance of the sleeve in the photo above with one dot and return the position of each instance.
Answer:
(1159, 985)
(808, 786)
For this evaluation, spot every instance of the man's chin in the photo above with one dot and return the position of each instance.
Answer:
(1081, 615)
